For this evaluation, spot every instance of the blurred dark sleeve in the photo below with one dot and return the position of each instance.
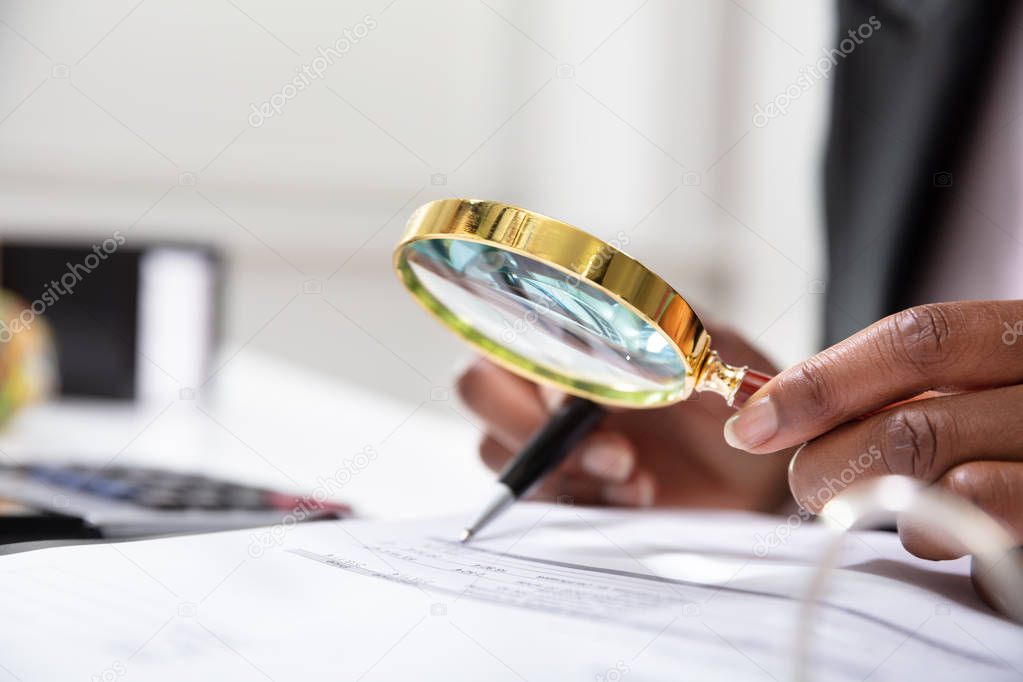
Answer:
(904, 106)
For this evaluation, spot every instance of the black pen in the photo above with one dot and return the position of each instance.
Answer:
(545, 450)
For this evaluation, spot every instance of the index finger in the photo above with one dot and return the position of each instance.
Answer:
(959, 345)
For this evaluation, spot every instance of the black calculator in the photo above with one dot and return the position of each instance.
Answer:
(52, 501)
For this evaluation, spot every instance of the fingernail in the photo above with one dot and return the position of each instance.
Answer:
(753, 425)
(638, 493)
(607, 460)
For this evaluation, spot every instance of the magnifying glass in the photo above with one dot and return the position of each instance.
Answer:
(560, 307)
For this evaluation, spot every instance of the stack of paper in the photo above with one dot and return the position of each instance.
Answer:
(546, 593)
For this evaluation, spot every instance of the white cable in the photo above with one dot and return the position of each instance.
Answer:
(882, 501)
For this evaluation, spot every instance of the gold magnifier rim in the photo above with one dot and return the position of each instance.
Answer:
(576, 254)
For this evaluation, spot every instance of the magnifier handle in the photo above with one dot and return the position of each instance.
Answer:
(735, 384)
(751, 382)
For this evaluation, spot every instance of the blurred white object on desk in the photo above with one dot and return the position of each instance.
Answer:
(263, 422)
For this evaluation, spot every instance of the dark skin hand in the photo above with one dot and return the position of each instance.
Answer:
(967, 441)
(672, 456)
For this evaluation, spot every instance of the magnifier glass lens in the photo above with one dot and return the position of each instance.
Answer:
(545, 321)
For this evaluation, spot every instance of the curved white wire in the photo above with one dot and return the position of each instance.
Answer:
(881, 501)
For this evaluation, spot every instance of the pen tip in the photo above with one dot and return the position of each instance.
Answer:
(466, 534)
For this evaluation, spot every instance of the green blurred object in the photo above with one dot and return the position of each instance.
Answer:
(28, 362)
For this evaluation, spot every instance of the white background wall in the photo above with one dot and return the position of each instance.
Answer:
(616, 116)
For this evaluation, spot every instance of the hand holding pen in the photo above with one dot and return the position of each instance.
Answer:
(672, 456)
(559, 306)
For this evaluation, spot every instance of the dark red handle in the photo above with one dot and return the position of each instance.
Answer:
(750, 384)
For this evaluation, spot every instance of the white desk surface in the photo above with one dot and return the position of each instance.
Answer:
(265, 422)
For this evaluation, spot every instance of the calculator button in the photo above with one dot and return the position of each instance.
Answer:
(119, 472)
(206, 497)
(159, 498)
(112, 488)
(40, 472)
(171, 490)
(240, 497)
(60, 476)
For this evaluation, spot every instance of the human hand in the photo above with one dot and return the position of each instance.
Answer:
(637, 458)
(969, 441)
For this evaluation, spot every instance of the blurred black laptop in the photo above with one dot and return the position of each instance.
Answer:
(113, 305)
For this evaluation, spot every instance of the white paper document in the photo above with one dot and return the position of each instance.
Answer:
(546, 593)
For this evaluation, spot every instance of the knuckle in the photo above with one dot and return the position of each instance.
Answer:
(923, 336)
(823, 397)
(912, 440)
